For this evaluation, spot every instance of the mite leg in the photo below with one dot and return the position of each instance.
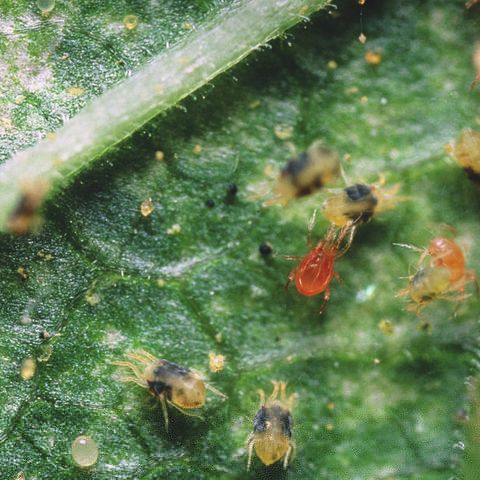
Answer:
(185, 412)
(215, 391)
(274, 394)
(131, 378)
(131, 366)
(140, 357)
(326, 298)
(310, 226)
(250, 445)
(261, 394)
(290, 279)
(163, 403)
(290, 451)
(283, 392)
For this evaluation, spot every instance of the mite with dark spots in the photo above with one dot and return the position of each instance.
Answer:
(308, 172)
(272, 428)
(359, 203)
(180, 387)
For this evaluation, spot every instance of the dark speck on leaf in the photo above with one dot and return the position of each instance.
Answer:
(210, 203)
(232, 189)
(265, 249)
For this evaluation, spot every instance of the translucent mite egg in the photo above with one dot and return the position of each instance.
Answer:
(84, 451)
(46, 6)
(130, 22)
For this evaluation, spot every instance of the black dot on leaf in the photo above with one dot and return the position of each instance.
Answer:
(265, 249)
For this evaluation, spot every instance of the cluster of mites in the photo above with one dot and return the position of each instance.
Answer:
(441, 274)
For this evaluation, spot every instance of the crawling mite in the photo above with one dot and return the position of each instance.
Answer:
(466, 151)
(308, 172)
(272, 427)
(428, 284)
(180, 387)
(359, 203)
(316, 269)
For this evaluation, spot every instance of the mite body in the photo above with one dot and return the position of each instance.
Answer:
(316, 269)
(180, 387)
(441, 273)
(359, 203)
(272, 428)
(466, 151)
(308, 172)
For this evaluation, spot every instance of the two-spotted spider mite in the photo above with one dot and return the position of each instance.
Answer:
(444, 274)
(307, 172)
(180, 387)
(316, 269)
(359, 203)
(466, 151)
(272, 427)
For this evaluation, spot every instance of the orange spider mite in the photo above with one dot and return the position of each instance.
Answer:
(316, 269)
(446, 253)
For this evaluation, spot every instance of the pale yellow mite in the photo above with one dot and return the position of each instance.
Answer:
(359, 203)
(272, 427)
(466, 151)
(426, 285)
(180, 387)
(308, 172)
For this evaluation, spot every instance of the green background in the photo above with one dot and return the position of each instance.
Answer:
(399, 418)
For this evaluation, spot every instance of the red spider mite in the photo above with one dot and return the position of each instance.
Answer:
(316, 269)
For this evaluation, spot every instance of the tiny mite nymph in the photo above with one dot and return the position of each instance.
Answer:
(308, 172)
(359, 203)
(180, 387)
(272, 427)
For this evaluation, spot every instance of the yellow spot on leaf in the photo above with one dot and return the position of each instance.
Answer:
(22, 272)
(76, 91)
(332, 65)
(386, 326)
(197, 149)
(217, 362)
(146, 208)
(283, 132)
(130, 22)
(29, 367)
(159, 155)
(373, 58)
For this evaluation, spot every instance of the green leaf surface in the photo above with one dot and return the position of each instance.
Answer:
(370, 405)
